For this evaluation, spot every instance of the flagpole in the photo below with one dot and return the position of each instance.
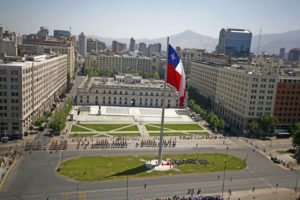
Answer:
(163, 111)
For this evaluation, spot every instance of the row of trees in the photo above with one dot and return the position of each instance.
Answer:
(199, 99)
(59, 119)
(264, 127)
(196, 108)
(215, 122)
(43, 118)
(96, 71)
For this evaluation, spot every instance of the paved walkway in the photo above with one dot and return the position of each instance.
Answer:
(142, 128)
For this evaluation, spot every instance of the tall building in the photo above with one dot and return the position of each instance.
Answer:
(114, 46)
(101, 45)
(29, 88)
(92, 45)
(187, 56)
(287, 101)
(1, 32)
(64, 33)
(294, 54)
(121, 46)
(281, 52)
(43, 33)
(143, 48)
(132, 44)
(239, 93)
(36, 47)
(82, 45)
(122, 63)
(157, 47)
(150, 49)
(234, 42)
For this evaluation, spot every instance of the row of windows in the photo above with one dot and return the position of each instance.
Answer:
(287, 109)
(120, 102)
(287, 103)
(12, 72)
(288, 92)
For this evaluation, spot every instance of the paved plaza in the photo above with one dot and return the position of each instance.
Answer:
(33, 175)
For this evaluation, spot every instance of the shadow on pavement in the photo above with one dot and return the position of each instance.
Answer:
(134, 171)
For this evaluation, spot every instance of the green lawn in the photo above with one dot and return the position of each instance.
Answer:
(125, 134)
(199, 133)
(78, 129)
(81, 135)
(103, 127)
(177, 127)
(100, 168)
(151, 128)
(130, 128)
(168, 134)
(289, 151)
(1, 160)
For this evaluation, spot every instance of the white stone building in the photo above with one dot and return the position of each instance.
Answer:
(29, 88)
(122, 63)
(239, 94)
(126, 90)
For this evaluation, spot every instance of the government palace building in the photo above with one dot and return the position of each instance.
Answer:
(126, 90)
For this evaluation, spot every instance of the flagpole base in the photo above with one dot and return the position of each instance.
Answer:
(164, 166)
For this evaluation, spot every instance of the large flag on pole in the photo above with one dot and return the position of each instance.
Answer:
(175, 74)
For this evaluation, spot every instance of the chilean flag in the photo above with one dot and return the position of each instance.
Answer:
(175, 74)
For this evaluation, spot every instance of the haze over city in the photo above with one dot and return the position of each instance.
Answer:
(157, 100)
(144, 19)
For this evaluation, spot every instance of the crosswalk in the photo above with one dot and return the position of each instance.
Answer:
(66, 196)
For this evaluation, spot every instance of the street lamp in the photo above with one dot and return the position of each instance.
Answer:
(297, 181)
(127, 184)
(224, 176)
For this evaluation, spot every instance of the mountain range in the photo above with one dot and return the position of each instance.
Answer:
(269, 43)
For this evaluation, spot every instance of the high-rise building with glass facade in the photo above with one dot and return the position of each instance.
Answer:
(234, 42)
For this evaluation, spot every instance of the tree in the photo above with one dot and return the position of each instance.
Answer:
(254, 129)
(267, 123)
(213, 120)
(68, 79)
(156, 75)
(40, 121)
(47, 113)
(296, 138)
(221, 125)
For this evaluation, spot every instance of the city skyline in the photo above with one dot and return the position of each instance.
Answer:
(141, 20)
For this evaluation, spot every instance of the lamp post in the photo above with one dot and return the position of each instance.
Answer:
(127, 185)
(297, 181)
(224, 176)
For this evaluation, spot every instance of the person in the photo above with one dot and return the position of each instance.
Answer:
(145, 186)
(218, 176)
(253, 188)
(229, 191)
(199, 191)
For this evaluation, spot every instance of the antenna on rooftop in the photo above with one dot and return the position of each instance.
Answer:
(258, 41)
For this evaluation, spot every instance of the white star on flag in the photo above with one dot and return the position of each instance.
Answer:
(173, 56)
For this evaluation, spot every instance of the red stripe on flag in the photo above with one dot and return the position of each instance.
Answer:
(172, 77)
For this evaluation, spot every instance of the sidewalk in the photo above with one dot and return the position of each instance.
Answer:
(264, 194)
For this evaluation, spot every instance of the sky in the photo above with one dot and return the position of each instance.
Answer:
(149, 18)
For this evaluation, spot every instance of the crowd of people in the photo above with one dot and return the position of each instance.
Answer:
(30, 146)
(197, 137)
(105, 144)
(193, 197)
(153, 143)
(62, 145)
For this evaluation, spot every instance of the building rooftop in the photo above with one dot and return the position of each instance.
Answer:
(133, 82)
